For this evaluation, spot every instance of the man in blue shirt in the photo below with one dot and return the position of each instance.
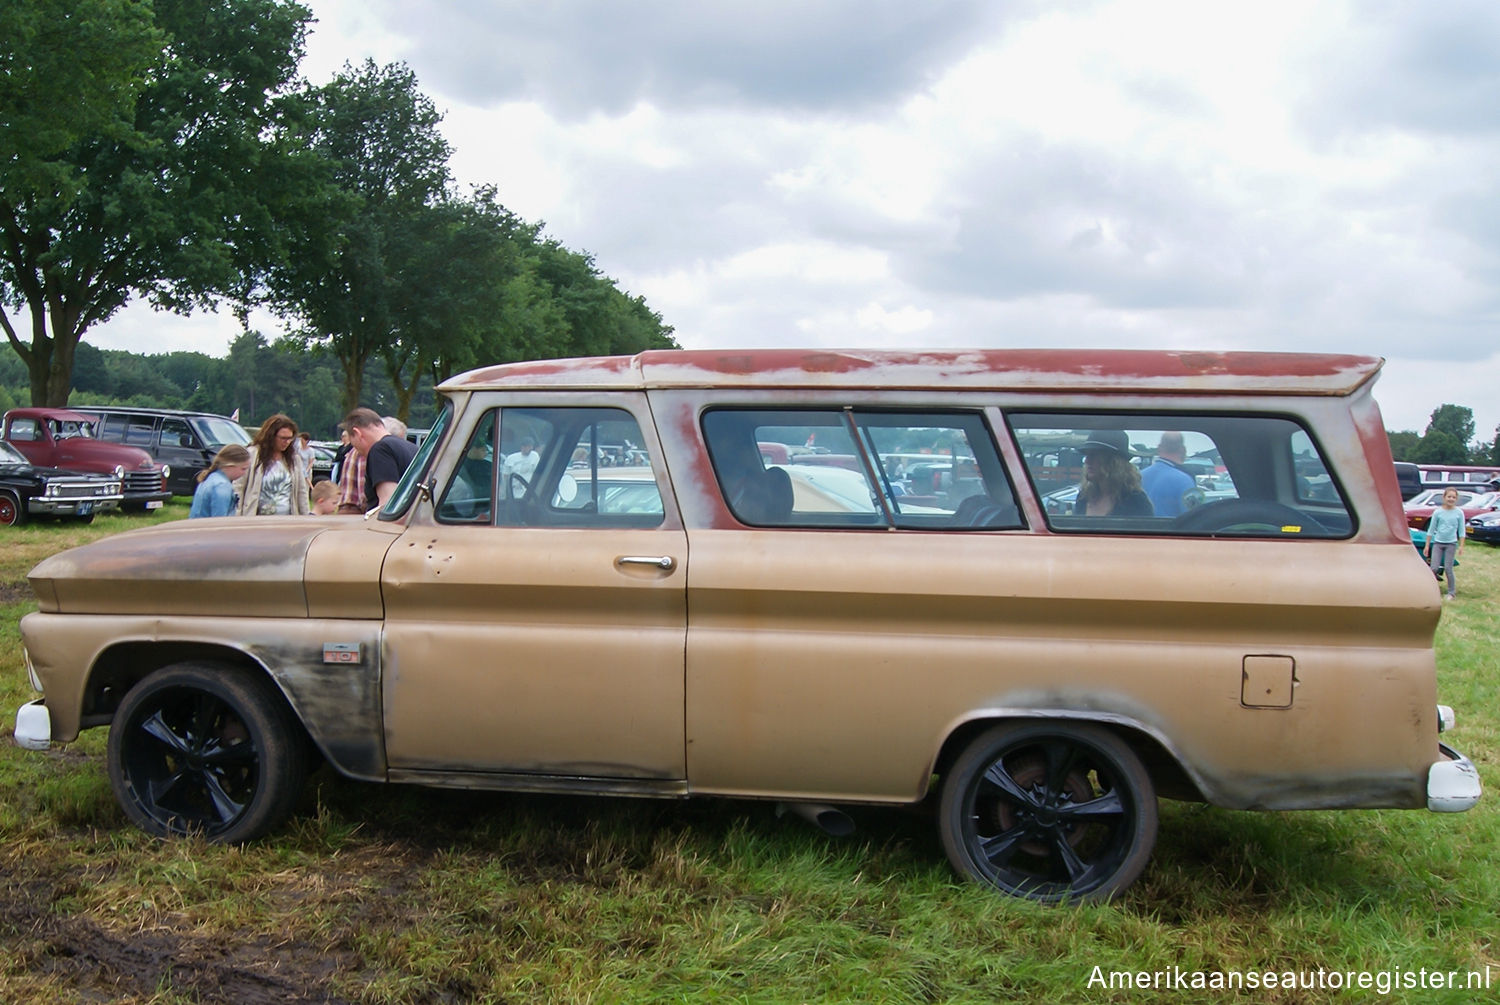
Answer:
(1167, 483)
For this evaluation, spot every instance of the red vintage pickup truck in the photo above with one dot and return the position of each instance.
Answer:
(63, 438)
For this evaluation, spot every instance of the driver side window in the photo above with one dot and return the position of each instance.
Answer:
(554, 467)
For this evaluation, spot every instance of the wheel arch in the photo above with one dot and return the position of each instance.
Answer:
(123, 665)
(1169, 775)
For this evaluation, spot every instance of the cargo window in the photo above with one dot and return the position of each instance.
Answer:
(1196, 475)
(853, 468)
(140, 431)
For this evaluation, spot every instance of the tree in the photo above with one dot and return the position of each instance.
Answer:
(388, 166)
(169, 189)
(1403, 444)
(1440, 447)
(1455, 420)
(72, 69)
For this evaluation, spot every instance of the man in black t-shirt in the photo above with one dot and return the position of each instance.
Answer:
(386, 456)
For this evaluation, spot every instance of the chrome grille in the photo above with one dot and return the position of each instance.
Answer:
(80, 490)
(142, 481)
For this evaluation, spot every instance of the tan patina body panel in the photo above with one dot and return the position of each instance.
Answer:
(806, 663)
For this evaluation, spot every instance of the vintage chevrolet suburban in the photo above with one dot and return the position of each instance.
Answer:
(812, 577)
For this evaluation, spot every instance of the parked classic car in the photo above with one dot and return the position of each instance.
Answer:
(27, 490)
(1419, 510)
(184, 442)
(63, 438)
(1484, 527)
(701, 626)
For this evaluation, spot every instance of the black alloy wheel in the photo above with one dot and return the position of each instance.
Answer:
(1049, 811)
(206, 749)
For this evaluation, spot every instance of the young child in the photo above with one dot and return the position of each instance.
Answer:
(1445, 538)
(215, 494)
(325, 498)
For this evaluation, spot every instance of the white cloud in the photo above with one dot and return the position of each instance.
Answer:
(1165, 173)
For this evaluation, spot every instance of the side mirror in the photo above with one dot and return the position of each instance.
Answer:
(567, 488)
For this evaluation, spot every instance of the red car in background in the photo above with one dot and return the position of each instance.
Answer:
(1419, 510)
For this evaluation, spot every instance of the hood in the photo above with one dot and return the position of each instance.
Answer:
(244, 567)
(52, 474)
(105, 453)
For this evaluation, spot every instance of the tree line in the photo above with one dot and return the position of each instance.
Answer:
(168, 151)
(1448, 439)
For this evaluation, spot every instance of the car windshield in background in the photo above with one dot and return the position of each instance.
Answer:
(217, 432)
(1247, 476)
(10, 455)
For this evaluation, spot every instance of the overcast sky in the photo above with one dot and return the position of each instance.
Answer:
(894, 173)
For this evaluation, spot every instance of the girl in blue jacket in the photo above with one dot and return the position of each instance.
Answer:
(215, 495)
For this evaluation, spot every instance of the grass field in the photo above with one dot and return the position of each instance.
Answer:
(389, 894)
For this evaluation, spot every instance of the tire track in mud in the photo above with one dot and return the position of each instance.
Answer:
(80, 955)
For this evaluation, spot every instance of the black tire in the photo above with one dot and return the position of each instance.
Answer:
(207, 749)
(86, 519)
(12, 510)
(1049, 811)
(1256, 516)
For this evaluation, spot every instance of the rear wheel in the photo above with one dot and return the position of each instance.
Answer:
(12, 513)
(1049, 811)
(202, 748)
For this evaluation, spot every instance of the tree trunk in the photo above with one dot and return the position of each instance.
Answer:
(60, 371)
(354, 381)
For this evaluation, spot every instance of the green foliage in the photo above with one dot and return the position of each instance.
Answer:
(175, 203)
(72, 70)
(1403, 444)
(1440, 447)
(1455, 420)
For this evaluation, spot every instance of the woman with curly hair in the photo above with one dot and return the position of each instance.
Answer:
(275, 482)
(1111, 485)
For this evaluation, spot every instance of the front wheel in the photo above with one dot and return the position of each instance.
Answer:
(12, 513)
(1049, 811)
(202, 748)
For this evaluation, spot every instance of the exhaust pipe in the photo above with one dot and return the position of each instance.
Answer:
(829, 819)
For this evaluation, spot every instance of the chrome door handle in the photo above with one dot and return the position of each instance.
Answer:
(666, 563)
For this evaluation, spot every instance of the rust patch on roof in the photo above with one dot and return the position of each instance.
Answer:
(1117, 370)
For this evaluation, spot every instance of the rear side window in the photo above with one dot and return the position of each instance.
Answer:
(854, 468)
(1232, 475)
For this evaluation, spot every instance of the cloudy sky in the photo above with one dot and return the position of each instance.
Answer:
(890, 173)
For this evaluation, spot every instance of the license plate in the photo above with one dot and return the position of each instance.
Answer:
(154, 504)
(84, 509)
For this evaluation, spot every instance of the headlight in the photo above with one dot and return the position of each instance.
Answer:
(52, 489)
(166, 471)
(119, 471)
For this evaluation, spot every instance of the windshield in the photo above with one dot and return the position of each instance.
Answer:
(67, 429)
(10, 455)
(218, 432)
(406, 488)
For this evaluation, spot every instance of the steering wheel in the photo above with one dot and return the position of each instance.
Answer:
(1248, 516)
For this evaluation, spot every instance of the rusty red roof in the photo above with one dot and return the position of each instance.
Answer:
(971, 369)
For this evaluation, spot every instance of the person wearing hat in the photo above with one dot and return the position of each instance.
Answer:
(1111, 485)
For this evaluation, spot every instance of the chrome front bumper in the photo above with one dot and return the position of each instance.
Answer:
(1453, 783)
